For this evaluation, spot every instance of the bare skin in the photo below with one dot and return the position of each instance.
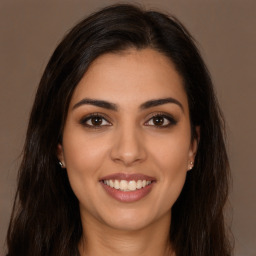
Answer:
(129, 114)
(145, 242)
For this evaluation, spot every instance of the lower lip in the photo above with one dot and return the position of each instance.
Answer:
(128, 196)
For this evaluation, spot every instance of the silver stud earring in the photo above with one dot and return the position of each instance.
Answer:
(191, 165)
(61, 164)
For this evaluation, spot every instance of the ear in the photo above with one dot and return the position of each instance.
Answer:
(60, 155)
(193, 148)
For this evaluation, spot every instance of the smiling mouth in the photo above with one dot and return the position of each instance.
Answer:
(126, 186)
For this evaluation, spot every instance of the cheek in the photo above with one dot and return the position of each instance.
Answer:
(83, 158)
(170, 157)
(172, 164)
(82, 153)
(171, 153)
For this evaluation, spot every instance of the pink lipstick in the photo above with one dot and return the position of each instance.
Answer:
(127, 187)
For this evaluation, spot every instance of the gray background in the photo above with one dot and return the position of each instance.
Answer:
(225, 30)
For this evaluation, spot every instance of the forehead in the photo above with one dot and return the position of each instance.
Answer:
(132, 76)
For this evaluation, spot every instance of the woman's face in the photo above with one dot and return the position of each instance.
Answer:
(127, 139)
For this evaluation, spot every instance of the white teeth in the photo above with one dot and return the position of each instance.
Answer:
(116, 184)
(132, 185)
(139, 184)
(125, 185)
(111, 183)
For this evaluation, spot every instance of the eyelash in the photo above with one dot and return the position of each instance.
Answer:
(169, 118)
(89, 117)
(171, 121)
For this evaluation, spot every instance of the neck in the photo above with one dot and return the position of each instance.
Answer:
(101, 239)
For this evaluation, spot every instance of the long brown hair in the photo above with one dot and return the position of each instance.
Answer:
(46, 218)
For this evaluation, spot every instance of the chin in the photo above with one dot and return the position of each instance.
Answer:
(129, 224)
(131, 220)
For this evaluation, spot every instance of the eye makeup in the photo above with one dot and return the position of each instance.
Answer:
(95, 121)
(156, 120)
(161, 120)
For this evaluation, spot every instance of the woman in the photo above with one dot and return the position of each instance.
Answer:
(124, 151)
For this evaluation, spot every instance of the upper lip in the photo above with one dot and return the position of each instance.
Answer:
(128, 177)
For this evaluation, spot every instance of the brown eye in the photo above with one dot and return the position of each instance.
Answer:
(96, 120)
(161, 121)
(158, 120)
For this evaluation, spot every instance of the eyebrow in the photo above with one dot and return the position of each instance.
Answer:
(158, 102)
(113, 106)
(97, 103)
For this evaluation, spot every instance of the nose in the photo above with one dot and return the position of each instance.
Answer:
(128, 147)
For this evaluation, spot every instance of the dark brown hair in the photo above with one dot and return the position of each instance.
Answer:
(46, 219)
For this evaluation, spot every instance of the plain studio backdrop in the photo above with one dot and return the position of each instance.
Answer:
(226, 35)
